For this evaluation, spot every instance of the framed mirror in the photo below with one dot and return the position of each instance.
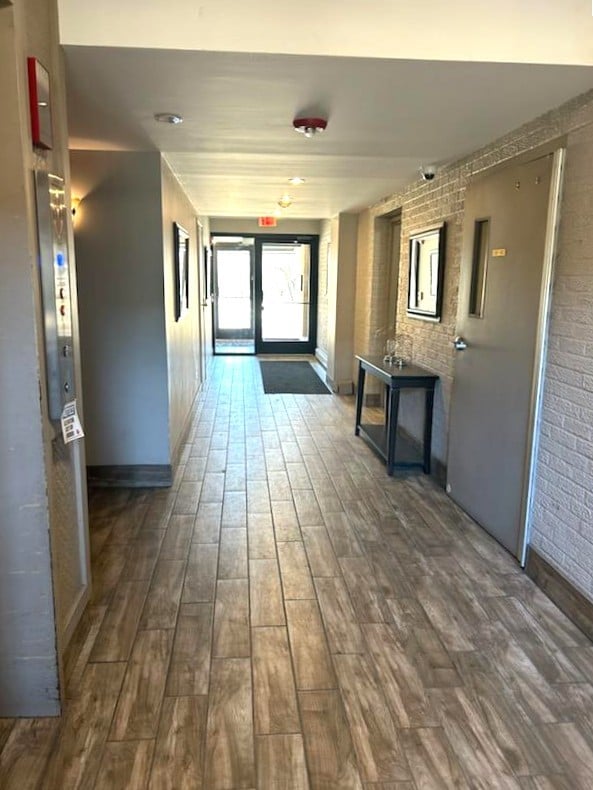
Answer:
(427, 264)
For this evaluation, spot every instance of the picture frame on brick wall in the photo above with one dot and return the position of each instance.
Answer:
(426, 272)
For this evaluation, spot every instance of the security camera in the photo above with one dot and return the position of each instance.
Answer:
(428, 172)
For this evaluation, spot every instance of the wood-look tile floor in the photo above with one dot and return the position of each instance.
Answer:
(287, 616)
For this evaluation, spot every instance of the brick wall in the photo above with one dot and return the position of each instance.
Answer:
(562, 529)
(562, 526)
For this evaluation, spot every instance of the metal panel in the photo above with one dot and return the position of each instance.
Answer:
(55, 289)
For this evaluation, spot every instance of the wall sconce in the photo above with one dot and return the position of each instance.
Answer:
(74, 205)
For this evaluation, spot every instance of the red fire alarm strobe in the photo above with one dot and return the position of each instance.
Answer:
(39, 104)
(310, 126)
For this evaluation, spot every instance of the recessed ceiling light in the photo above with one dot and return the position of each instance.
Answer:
(285, 201)
(168, 117)
(296, 180)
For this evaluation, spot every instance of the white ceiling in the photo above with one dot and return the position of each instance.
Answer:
(236, 148)
(497, 31)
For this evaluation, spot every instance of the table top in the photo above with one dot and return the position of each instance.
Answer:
(395, 373)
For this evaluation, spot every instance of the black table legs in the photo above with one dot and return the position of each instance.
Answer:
(359, 398)
(384, 439)
(428, 407)
(392, 428)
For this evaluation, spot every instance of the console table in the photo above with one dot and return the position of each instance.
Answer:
(383, 438)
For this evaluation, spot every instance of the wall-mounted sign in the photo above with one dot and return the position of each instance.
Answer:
(71, 427)
(499, 253)
(267, 222)
(39, 104)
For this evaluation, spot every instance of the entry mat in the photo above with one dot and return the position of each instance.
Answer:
(292, 378)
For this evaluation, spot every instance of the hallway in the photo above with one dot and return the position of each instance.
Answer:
(287, 616)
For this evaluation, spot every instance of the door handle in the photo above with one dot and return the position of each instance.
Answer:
(459, 343)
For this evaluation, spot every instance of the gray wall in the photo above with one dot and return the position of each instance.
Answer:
(119, 241)
(342, 290)
(337, 298)
(43, 536)
(325, 238)
(183, 336)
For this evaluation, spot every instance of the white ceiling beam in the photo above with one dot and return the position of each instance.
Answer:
(497, 31)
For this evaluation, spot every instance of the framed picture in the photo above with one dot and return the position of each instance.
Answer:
(181, 253)
(426, 273)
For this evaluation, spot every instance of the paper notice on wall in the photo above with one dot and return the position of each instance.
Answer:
(71, 427)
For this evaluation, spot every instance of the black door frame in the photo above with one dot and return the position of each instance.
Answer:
(231, 333)
(286, 346)
(279, 347)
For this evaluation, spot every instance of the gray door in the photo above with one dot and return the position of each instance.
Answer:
(504, 239)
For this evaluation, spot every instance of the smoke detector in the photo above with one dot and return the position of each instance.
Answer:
(309, 126)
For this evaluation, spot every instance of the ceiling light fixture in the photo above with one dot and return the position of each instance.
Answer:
(296, 181)
(285, 201)
(309, 126)
(168, 117)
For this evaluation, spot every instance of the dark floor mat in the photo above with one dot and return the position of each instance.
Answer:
(294, 378)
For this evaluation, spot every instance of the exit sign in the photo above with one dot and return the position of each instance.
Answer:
(267, 222)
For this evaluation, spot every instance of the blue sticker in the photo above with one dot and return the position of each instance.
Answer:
(60, 259)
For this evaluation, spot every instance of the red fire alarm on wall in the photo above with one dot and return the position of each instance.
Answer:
(267, 222)
(39, 104)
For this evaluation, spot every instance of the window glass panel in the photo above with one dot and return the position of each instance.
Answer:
(286, 272)
(479, 268)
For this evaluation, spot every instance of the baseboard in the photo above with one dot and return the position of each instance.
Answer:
(339, 387)
(183, 435)
(76, 611)
(566, 597)
(133, 476)
(346, 388)
(321, 356)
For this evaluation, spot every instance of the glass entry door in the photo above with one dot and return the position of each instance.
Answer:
(233, 297)
(286, 288)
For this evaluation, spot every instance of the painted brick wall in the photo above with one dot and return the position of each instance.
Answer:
(564, 485)
(562, 527)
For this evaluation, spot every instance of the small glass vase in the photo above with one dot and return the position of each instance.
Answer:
(390, 347)
(402, 354)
